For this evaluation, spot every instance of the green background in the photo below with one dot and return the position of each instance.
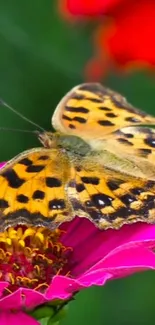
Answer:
(41, 58)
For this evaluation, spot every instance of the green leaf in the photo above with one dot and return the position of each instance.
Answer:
(43, 312)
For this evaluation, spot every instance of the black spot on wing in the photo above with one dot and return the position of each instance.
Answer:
(38, 195)
(79, 119)
(80, 187)
(127, 199)
(150, 142)
(71, 126)
(22, 198)
(43, 157)
(56, 204)
(101, 200)
(67, 118)
(104, 108)
(53, 182)
(111, 115)
(128, 135)
(3, 204)
(132, 119)
(76, 118)
(35, 168)
(137, 190)
(13, 179)
(105, 123)
(144, 151)
(25, 162)
(123, 213)
(90, 180)
(125, 141)
(113, 185)
(79, 109)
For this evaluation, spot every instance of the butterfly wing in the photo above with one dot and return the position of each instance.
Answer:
(32, 189)
(107, 196)
(112, 187)
(92, 111)
(42, 187)
(134, 144)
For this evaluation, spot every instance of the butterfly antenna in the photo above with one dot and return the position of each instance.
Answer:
(36, 132)
(2, 103)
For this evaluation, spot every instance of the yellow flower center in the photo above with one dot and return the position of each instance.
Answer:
(30, 257)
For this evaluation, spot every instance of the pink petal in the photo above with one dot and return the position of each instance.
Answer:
(96, 277)
(124, 263)
(32, 298)
(3, 285)
(61, 287)
(97, 244)
(16, 319)
(12, 301)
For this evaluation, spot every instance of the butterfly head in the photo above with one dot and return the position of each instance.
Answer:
(48, 139)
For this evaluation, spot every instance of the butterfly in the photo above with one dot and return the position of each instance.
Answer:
(99, 164)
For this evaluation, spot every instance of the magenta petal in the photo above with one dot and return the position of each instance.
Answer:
(97, 277)
(129, 261)
(16, 319)
(122, 264)
(32, 298)
(3, 285)
(62, 287)
(12, 301)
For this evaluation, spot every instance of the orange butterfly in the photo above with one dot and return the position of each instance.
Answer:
(99, 164)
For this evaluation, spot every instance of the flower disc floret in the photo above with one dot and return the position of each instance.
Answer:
(30, 257)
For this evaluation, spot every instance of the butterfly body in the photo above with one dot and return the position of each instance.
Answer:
(99, 164)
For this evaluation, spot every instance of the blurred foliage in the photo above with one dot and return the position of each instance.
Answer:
(41, 58)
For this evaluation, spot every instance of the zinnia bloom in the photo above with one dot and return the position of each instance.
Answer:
(38, 265)
(124, 38)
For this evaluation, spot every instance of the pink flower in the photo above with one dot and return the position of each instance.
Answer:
(38, 265)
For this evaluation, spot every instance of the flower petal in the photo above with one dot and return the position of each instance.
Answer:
(16, 319)
(96, 277)
(32, 298)
(3, 285)
(97, 245)
(12, 301)
(89, 7)
(128, 37)
(62, 287)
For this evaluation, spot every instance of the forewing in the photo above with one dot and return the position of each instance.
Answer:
(93, 111)
(32, 189)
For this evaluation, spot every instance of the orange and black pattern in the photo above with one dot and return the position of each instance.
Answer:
(99, 165)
